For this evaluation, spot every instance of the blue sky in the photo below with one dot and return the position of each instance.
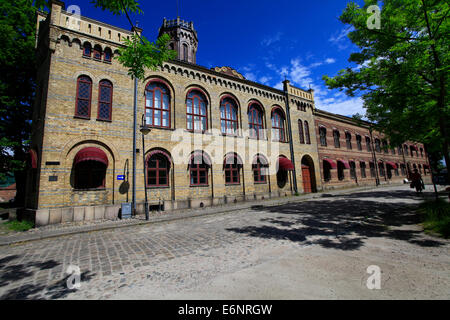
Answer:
(264, 40)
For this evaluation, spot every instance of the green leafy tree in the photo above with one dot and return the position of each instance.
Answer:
(18, 73)
(402, 72)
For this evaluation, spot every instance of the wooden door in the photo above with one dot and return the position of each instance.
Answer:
(306, 174)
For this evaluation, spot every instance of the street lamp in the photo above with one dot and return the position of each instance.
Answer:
(144, 130)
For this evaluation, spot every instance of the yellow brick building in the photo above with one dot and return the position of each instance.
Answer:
(215, 137)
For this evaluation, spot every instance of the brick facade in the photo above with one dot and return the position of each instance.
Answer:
(60, 135)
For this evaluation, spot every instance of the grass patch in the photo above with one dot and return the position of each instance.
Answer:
(19, 225)
(436, 217)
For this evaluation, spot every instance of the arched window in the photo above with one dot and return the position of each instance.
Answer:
(105, 94)
(385, 146)
(198, 168)
(84, 95)
(362, 166)
(326, 170)
(87, 49)
(196, 114)
(259, 169)
(255, 121)
(323, 136)
(89, 168)
(358, 142)
(231, 168)
(107, 55)
(340, 170)
(405, 148)
(400, 150)
(307, 136)
(377, 145)
(336, 136)
(158, 166)
(185, 52)
(372, 169)
(278, 130)
(368, 144)
(157, 105)
(300, 131)
(411, 148)
(348, 139)
(352, 170)
(421, 153)
(97, 52)
(381, 169)
(229, 116)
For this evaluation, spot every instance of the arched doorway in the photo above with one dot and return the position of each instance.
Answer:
(308, 175)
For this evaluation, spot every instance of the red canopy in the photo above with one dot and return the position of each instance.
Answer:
(285, 164)
(91, 153)
(392, 164)
(33, 156)
(345, 163)
(331, 162)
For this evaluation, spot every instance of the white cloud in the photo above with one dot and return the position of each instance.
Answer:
(347, 106)
(330, 61)
(250, 76)
(264, 79)
(279, 86)
(271, 39)
(340, 39)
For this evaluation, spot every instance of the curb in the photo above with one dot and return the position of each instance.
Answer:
(169, 217)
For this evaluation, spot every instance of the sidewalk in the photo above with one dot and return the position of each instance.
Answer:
(73, 228)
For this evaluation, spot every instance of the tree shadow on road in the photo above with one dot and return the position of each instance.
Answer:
(15, 272)
(343, 223)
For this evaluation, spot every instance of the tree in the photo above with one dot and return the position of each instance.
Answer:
(402, 70)
(18, 74)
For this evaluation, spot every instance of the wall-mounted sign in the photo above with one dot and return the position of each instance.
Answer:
(121, 178)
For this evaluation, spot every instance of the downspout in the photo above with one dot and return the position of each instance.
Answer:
(377, 179)
(291, 144)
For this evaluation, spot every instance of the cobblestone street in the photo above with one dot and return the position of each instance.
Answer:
(308, 250)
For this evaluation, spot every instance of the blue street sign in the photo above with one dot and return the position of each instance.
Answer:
(121, 178)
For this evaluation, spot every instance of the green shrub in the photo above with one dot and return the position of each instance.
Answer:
(19, 225)
(437, 217)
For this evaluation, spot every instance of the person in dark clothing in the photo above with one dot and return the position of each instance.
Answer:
(417, 181)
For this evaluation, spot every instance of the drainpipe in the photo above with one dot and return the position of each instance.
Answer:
(374, 157)
(291, 144)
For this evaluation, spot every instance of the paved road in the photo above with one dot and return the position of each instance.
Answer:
(318, 249)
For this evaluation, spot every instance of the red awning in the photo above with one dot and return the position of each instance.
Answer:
(392, 164)
(91, 154)
(414, 148)
(345, 163)
(33, 156)
(285, 164)
(331, 162)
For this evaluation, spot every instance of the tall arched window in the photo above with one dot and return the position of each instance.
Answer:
(185, 52)
(326, 171)
(229, 116)
(377, 145)
(87, 49)
(362, 166)
(336, 136)
(157, 105)
(196, 114)
(278, 130)
(255, 121)
(368, 144)
(358, 142)
(84, 95)
(107, 55)
(307, 136)
(97, 52)
(348, 139)
(105, 94)
(405, 148)
(232, 167)
(198, 169)
(352, 170)
(300, 131)
(323, 136)
(259, 169)
(158, 166)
